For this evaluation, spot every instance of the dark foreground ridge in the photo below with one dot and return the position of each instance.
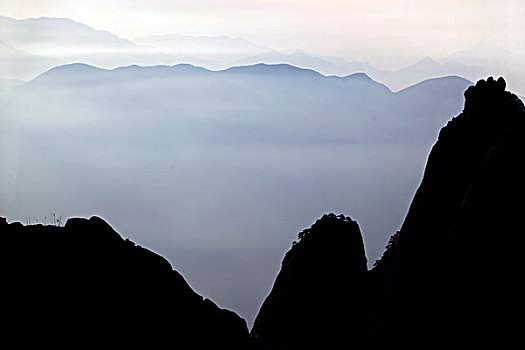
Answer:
(448, 279)
(83, 284)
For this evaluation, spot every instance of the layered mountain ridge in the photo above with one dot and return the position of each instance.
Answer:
(48, 41)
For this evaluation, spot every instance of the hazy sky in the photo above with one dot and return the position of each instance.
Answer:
(378, 30)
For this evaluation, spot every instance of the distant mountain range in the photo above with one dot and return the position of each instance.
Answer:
(70, 41)
(249, 86)
(67, 41)
(214, 52)
(323, 64)
(18, 64)
(186, 143)
(477, 62)
(424, 69)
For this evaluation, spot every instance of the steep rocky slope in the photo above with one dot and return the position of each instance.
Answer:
(450, 278)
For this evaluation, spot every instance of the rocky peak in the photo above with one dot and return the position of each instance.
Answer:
(321, 279)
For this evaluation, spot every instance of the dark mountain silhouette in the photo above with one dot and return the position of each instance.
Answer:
(448, 279)
(311, 297)
(83, 283)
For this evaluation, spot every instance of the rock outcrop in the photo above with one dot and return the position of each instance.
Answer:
(83, 284)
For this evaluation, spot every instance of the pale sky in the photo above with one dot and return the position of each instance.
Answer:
(357, 30)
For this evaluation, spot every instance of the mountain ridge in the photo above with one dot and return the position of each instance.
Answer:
(221, 52)
(260, 68)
